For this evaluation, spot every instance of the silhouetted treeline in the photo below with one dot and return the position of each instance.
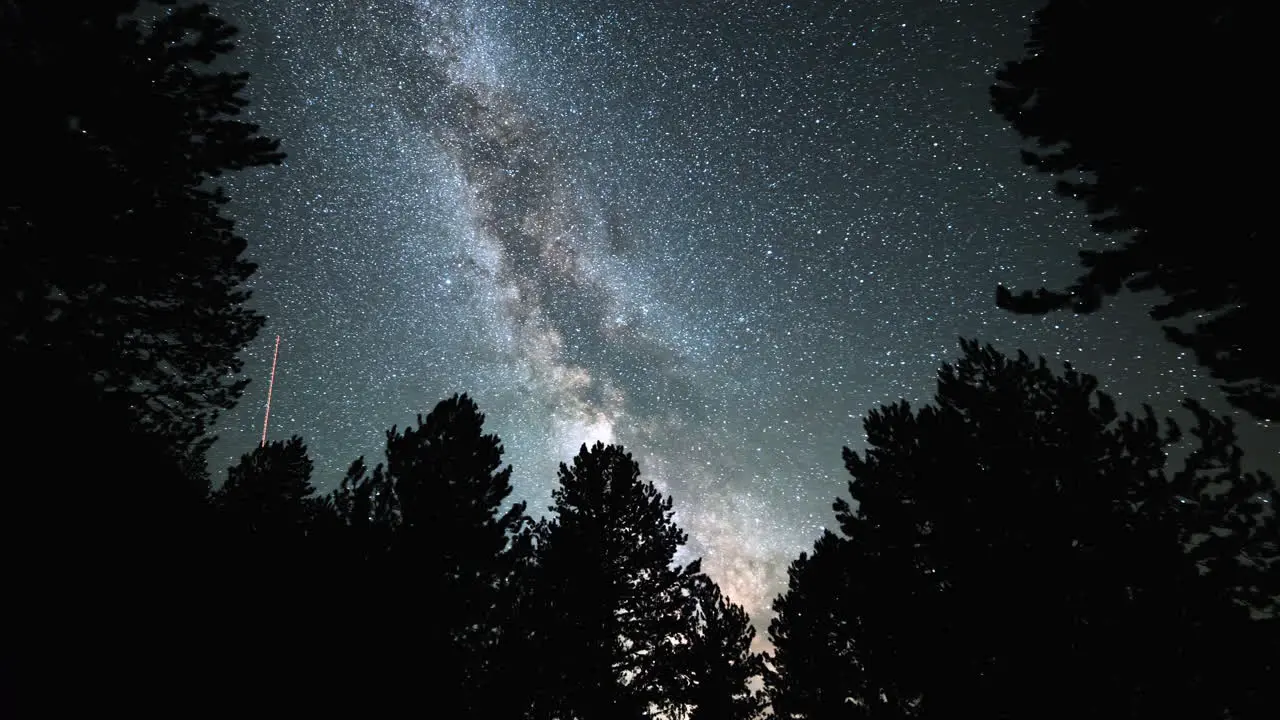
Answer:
(1018, 549)
(485, 612)
(1139, 106)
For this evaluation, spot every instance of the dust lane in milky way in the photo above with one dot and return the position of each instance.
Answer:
(715, 232)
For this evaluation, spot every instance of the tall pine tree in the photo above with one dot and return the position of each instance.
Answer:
(269, 494)
(1136, 105)
(719, 658)
(525, 633)
(268, 579)
(1018, 549)
(812, 672)
(122, 266)
(617, 607)
(266, 518)
(432, 524)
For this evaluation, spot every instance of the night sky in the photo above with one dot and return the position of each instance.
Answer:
(715, 232)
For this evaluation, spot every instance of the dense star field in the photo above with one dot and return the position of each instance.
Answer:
(715, 232)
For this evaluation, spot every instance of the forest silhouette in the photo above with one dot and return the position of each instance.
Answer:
(1017, 548)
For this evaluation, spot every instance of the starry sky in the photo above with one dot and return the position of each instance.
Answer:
(716, 232)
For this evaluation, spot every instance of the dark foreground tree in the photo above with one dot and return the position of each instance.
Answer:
(369, 512)
(1018, 551)
(813, 672)
(526, 637)
(1138, 105)
(719, 658)
(117, 254)
(432, 528)
(268, 495)
(103, 549)
(617, 606)
(266, 581)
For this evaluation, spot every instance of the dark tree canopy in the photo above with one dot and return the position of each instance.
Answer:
(120, 320)
(267, 514)
(812, 672)
(720, 660)
(432, 523)
(1144, 108)
(616, 603)
(448, 480)
(525, 632)
(367, 506)
(119, 257)
(270, 492)
(1019, 548)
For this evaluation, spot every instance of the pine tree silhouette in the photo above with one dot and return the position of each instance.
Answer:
(429, 527)
(1132, 102)
(120, 260)
(367, 506)
(812, 673)
(617, 607)
(103, 545)
(1018, 548)
(449, 483)
(720, 661)
(267, 517)
(526, 635)
(269, 492)
(268, 581)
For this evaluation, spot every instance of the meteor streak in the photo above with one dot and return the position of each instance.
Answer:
(270, 386)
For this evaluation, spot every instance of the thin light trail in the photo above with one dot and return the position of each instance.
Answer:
(270, 386)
